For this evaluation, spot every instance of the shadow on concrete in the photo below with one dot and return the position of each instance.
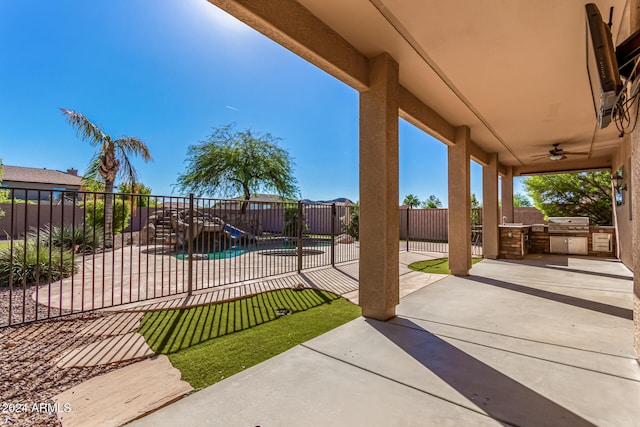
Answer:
(563, 266)
(492, 392)
(600, 307)
(344, 273)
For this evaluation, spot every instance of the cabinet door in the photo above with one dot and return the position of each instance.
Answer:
(578, 245)
(558, 245)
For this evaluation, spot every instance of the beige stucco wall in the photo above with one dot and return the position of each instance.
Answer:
(624, 224)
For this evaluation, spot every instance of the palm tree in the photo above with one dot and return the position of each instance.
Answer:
(432, 202)
(411, 201)
(111, 160)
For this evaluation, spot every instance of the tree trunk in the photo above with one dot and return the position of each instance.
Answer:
(245, 203)
(108, 214)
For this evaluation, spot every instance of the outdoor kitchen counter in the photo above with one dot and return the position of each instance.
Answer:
(539, 240)
(513, 241)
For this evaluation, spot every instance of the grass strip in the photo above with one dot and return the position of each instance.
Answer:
(436, 266)
(213, 342)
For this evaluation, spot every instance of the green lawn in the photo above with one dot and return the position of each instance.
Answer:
(213, 342)
(436, 266)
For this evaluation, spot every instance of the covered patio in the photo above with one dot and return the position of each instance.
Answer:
(540, 342)
(498, 82)
(547, 341)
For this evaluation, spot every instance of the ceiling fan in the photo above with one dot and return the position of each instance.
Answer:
(557, 153)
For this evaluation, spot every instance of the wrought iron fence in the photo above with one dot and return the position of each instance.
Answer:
(476, 232)
(64, 252)
(59, 256)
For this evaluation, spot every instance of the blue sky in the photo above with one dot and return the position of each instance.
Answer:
(170, 71)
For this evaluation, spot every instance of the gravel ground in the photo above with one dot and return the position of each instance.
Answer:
(28, 375)
(18, 303)
(29, 352)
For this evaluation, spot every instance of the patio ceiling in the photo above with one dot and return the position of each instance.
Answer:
(513, 71)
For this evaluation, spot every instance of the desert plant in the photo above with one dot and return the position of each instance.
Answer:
(352, 226)
(33, 263)
(81, 238)
(112, 159)
(231, 162)
(94, 212)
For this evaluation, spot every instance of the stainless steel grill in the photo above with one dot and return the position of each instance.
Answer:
(568, 225)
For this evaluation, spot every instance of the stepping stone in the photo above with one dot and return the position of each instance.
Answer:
(120, 348)
(117, 324)
(123, 395)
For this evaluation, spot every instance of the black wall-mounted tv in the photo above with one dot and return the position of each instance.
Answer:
(602, 65)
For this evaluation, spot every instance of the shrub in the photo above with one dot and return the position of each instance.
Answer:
(291, 221)
(80, 239)
(352, 228)
(35, 263)
(94, 213)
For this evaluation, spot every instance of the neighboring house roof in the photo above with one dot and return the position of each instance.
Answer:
(19, 174)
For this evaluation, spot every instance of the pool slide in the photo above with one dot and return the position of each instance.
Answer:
(235, 233)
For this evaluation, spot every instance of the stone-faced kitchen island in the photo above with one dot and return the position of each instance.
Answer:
(517, 240)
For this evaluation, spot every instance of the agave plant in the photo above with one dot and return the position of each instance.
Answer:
(31, 263)
(79, 239)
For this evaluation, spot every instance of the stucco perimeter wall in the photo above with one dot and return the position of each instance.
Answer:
(427, 224)
(528, 215)
(27, 216)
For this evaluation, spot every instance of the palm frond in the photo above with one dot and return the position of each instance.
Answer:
(127, 172)
(133, 145)
(125, 147)
(92, 173)
(85, 129)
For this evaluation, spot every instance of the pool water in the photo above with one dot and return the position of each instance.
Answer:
(235, 251)
(227, 253)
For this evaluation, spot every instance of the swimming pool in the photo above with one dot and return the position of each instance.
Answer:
(266, 247)
(222, 254)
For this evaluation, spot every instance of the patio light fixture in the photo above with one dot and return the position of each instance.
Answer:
(618, 182)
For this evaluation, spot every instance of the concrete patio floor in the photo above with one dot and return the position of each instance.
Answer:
(542, 342)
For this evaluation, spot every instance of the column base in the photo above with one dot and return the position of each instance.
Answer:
(376, 314)
(460, 272)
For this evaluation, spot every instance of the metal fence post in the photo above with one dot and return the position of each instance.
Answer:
(299, 234)
(408, 229)
(333, 234)
(190, 246)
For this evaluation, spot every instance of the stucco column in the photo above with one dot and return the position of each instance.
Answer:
(460, 203)
(379, 213)
(634, 8)
(490, 213)
(507, 195)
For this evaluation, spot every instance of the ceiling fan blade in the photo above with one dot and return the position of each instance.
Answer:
(576, 152)
(539, 156)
